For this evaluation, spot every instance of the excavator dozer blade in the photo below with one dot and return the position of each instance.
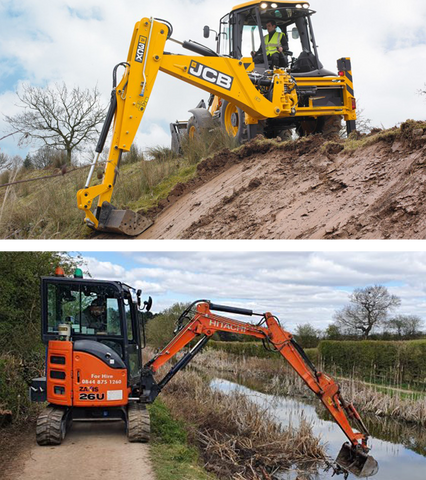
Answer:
(356, 461)
(125, 222)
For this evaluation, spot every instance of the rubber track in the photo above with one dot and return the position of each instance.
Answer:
(138, 423)
(48, 429)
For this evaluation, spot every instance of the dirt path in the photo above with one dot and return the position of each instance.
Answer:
(91, 450)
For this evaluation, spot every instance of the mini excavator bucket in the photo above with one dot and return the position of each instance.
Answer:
(357, 462)
(125, 222)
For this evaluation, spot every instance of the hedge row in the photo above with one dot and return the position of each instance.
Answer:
(403, 361)
(255, 349)
(393, 362)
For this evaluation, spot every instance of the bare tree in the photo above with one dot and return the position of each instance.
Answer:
(369, 307)
(405, 325)
(4, 160)
(57, 117)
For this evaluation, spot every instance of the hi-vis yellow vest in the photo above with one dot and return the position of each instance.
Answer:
(273, 44)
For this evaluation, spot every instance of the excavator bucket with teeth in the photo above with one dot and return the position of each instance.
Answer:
(125, 222)
(357, 462)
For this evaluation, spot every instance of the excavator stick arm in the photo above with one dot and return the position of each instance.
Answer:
(132, 95)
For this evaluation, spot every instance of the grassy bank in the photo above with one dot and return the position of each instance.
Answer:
(236, 439)
(48, 208)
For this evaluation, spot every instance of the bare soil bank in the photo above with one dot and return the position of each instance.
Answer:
(370, 187)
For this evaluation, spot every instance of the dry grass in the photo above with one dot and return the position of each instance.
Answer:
(48, 208)
(238, 439)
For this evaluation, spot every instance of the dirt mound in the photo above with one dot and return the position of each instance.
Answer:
(363, 187)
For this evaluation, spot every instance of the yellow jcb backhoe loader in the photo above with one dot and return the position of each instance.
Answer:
(249, 92)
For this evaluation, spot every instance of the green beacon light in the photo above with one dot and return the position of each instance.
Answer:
(78, 273)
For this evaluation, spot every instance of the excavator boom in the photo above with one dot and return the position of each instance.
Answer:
(353, 456)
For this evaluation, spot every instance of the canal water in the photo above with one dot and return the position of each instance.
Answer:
(399, 448)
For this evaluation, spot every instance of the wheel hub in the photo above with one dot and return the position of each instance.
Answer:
(234, 119)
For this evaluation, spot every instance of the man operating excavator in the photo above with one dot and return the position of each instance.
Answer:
(276, 43)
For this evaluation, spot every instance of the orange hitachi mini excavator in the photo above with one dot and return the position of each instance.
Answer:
(95, 333)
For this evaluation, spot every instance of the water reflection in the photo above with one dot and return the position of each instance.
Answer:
(400, 449)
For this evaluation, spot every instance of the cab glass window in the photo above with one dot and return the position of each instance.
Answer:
(224, 36)
(90, 309)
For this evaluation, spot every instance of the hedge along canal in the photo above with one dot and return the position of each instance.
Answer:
(399, 448)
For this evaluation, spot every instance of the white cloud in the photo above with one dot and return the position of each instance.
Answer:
(79, 42)
(297, 287)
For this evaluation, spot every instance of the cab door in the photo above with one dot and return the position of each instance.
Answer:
(133, 352)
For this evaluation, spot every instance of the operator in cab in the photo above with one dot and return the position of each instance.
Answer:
(276, 43)
(94, 315)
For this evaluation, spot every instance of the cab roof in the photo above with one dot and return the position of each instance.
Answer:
(278, 2)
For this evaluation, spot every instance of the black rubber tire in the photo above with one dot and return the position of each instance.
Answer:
(192, 128)
(327, 126)
(331, 125)
(51, 426)
(138, 423)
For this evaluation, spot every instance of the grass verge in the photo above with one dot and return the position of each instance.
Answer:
(172, 456)
(48, 208)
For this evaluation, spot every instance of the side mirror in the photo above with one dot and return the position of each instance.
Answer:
(138, 295)
(295, 33)
(148, 304)
(206, 31)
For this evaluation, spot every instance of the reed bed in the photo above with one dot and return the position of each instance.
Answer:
(237, 438)
(279, 379)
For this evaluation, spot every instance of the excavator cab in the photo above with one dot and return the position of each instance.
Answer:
(94, 332)
(242, 35)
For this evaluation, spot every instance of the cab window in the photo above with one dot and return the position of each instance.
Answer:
(89, 309)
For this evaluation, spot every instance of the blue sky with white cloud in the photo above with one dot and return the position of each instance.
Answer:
(79, 42)
(299, 287)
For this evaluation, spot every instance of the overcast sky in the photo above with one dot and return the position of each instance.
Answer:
(80, 41)
(298, 287)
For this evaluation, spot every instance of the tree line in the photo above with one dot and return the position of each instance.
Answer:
(367, 316)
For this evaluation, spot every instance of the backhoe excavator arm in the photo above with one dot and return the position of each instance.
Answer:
(205, 323)
(221, 76)
(353, 456)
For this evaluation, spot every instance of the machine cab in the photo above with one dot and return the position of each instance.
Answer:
(242, 35)
(98, 311)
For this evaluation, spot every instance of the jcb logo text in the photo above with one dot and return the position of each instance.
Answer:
(210, 75)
